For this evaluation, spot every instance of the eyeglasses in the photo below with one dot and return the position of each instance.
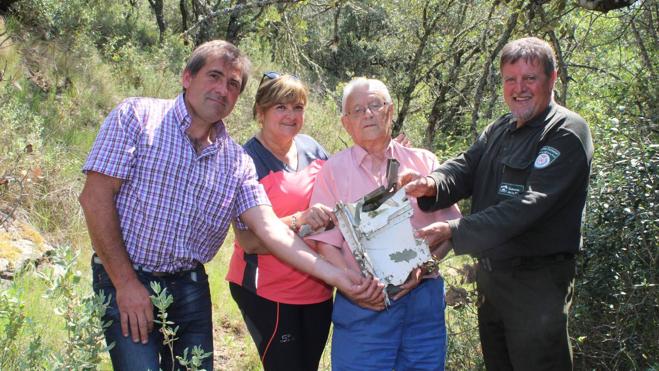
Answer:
(360, 110)
(272, 75)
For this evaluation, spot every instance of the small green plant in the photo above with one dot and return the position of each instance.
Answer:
(21, 348)
(197, 356)
(162, 301)
(84, 344)
(191, 360)
(24, 340)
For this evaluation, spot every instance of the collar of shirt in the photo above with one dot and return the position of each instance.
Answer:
(184, 120)
(372, 166)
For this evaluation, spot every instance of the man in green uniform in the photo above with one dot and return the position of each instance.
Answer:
(527, 175)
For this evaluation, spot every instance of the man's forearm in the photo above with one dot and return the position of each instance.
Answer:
(249, 242)
(285, 245)
(133, 302)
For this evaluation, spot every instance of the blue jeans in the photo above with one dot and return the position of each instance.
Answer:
(190, 311)
(409, 335)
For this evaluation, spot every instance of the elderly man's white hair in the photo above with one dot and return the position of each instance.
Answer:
(372, 85)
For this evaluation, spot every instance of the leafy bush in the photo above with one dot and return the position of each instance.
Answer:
(616, 312)
(23, 338)
(20, 148)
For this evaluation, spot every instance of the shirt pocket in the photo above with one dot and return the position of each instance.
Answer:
(514, 177)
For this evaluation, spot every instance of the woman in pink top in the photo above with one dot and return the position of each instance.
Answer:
(287, 312)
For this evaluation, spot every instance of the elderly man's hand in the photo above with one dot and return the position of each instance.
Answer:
(435, 233)
(417, 185)
(412, 282)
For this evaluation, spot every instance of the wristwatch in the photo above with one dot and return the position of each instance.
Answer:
(294, 226)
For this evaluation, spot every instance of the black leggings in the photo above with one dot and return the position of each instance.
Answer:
(287, 336)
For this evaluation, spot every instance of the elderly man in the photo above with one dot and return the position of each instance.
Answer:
(164, 182)
(527, 175)
(411, 333)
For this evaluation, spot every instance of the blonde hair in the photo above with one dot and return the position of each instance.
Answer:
(283, 89)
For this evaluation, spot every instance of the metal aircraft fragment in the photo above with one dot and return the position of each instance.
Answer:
(382, 239)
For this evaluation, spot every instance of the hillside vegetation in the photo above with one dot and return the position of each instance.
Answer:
(65, 64)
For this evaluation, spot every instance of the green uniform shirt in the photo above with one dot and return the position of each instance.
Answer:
(528, 187)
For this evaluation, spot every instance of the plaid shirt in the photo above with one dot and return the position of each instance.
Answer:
(175, 206)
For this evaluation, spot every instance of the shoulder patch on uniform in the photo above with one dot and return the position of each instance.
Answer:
(546, 156)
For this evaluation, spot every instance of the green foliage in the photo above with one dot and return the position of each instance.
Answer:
(22, 347)
(147, 71)
(162, 300)
(191, 360)
(617, 307)
(463, 350)
(20, 150)
(99, 20)
(23, 339)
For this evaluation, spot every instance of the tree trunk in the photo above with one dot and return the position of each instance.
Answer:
(157, 7)
(435, 116)
(234, 27)
(184, 15)
(429, 27)
(563, 77)
(512, 22)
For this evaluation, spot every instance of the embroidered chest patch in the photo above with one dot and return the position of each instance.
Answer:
(510, 190)
(546, 156)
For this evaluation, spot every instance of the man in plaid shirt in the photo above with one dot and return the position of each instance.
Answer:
(164, 182)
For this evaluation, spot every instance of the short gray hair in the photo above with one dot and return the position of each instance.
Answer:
(530, 49)
(222, 49)
(363, 82)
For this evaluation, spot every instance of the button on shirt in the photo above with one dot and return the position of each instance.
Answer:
(352, 173)
(175, 205)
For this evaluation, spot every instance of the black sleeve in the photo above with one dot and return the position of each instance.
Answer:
(549, 189)
(454, 178)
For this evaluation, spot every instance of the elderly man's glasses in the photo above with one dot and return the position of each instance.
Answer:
(374, 107)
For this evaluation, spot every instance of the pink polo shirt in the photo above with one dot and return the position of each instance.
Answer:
(352, 173)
